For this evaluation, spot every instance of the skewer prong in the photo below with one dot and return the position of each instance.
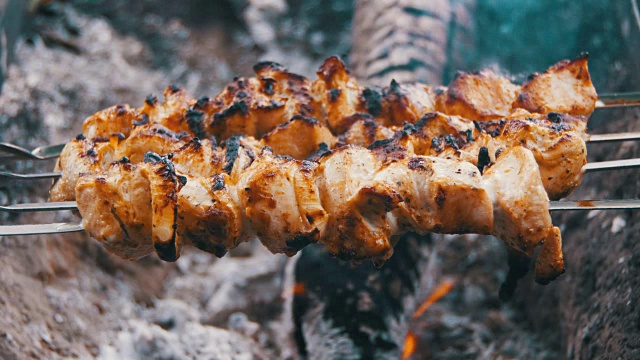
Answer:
(601, 138)
(618, 100)
(594, 205)
(39, 229)
(46, 206)
(612, 165)
(60, 228)
(46, 175)
(16, 152)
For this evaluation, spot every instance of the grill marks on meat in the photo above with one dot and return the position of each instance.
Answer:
(356, 115)
(352, 201)
(256, 106)
(559, 148)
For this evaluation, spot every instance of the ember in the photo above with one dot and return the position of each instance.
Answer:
(298, 289)
(443, 289)
(409, 345)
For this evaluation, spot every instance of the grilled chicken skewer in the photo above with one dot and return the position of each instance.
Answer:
(556, 141)
(255, 106)
(469, 93)
(342, 107)
(354, 201)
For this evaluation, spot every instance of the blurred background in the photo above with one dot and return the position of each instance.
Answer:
(61, 61)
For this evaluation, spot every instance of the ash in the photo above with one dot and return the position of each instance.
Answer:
(64, 297)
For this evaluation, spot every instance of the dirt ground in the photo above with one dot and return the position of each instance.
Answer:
(65, 297)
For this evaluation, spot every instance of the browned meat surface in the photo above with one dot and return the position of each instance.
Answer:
(479, 96)
(565, 87)
(365, 131)
(354, 201)
(79, 156)
(156, 179)
(556, 141)
(299, 137)
(116, 205)
(255, 106)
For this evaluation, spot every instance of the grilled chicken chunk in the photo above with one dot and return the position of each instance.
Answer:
(207, 216)
(365, 132)
(521, 212)
(280, 199)
(299, 137)
(357, 205)
(558, 146)
(479, 96)
(338, 95)
(255, 106)
(152, 137)
(120, 120)
(565, 87)
(550, 262)
(116, 205)
(78, 157)
(455, 200)
(113, 120)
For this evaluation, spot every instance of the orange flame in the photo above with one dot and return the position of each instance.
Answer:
(298, 289)
(410, 340)
(409, 345)
(443, 289)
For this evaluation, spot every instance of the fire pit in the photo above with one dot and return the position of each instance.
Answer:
(64, 296)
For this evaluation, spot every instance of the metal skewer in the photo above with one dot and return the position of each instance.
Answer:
(590, 167)
(612, 165)
(60, 228)
(47, 206)
(600, 138)
(594, 205)
(618, 100)
(46, 175)
(39, 229)
(15, 152)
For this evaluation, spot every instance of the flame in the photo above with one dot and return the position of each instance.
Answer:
(410, 340)
(409, 345)
(443, 289)
(298, 289)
